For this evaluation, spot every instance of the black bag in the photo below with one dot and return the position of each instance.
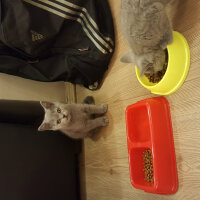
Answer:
(56, 40)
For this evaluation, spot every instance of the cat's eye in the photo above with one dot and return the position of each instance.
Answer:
(58, 110)
(58, 121)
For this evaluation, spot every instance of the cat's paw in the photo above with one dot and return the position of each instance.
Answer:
(105, 121)
(104, 107)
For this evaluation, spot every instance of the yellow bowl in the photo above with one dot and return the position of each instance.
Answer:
(177, 69)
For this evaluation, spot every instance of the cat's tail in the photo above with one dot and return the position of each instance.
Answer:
(89, 100)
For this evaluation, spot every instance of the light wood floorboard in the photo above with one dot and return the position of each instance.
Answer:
(106, 158)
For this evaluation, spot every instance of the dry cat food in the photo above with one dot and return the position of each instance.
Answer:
(156, 77)
(148, 166)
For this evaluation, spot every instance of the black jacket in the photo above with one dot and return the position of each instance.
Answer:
(56, 40)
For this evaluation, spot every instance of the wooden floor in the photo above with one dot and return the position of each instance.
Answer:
(106, 158)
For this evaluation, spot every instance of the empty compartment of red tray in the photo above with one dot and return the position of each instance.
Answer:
(137, 169)
(149, 127)
(138, 121)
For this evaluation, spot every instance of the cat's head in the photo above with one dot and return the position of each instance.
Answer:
(56, 116)
(147, 63)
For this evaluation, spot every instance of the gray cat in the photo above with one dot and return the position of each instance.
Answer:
(148, 31)
(75, 120)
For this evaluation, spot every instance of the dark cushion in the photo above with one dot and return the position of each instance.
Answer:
(37, 166)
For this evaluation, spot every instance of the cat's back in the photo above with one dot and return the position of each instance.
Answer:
(142, 21)
(137, 12)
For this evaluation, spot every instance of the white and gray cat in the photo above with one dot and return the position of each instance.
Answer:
(148, 31)
(74, 120)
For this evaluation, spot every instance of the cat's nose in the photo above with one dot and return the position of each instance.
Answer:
(65, 116)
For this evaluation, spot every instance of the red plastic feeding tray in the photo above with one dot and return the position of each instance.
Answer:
(149, 127)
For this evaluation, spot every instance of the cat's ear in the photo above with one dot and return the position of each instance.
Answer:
(44, 127)
(127, 58)
(46, 105)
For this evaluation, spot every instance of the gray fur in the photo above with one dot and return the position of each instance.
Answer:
(148, 31)
(77, 120)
